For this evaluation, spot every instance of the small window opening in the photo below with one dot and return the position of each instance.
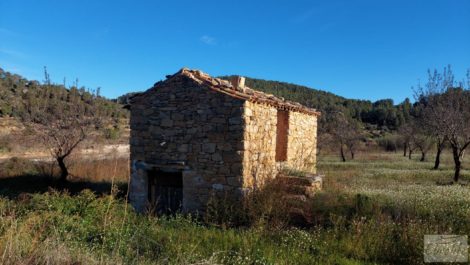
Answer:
(281, 135)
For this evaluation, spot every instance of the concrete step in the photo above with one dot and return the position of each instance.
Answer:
(301, 185)
(308, 180)
(295, 189)
(295, 197)
(292, 180)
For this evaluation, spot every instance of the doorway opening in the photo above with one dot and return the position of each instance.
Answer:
(165, 192)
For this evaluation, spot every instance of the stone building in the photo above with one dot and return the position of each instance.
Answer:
(193, 136)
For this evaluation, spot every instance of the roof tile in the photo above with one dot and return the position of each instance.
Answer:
(245, 93)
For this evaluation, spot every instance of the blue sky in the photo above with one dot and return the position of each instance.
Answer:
(367, 49)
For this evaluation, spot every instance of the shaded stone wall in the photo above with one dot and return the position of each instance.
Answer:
(138, 188)
(302, 142)
(179, 122)
(259, 161)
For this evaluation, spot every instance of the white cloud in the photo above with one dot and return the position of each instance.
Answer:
(206, 39)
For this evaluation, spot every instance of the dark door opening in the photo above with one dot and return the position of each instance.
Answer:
(281, 135)
(165, 191)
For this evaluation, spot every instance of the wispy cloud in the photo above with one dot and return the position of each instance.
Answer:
(304, 16)
(7, 32)
(206, 39)
(101, 33)
(10, 67)
(327, 26)
(13, 53)
(309, 16)
(14, 70)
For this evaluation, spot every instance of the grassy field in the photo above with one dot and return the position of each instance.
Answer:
(374, 210)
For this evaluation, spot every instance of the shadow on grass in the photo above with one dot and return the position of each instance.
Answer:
(12, 187)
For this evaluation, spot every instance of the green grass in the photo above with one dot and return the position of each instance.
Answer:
(374, 210)
(56, 228)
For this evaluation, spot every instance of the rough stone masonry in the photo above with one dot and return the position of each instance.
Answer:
(193, 136)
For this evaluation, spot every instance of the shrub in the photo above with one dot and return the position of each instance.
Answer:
(265, 207)
(16, 166)
(112, 133)
(389, 143)
(5, 144)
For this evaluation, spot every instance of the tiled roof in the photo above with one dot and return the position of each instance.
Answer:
(244, 92)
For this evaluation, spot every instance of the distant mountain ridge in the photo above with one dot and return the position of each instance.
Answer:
(17, 94)
(295, 92)
(383, 113)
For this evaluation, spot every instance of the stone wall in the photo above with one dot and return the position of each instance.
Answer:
(302, 142)
(179, 122)
(259, 163)
(260, 144)
(219, 143)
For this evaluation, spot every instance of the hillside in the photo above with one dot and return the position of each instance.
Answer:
(18, 95)
(382, 113)
(22, 98)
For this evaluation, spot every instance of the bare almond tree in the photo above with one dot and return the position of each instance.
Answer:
(446, 113)
(423, 143)
(417, 137)
(63, 133)
(407, 132)
(353, 137)
(457, 124)
(62, 128)
(430, 108)
(429, 119)
(345, 133)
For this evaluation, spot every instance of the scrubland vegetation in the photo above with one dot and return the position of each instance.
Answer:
(379, 198)
(373, 210)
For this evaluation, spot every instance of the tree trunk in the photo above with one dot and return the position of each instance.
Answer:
(457, 162)
(437, 162)
(352, 154)
(342, 154)
(410, 152)
(63, 169)
(404, 149)
(423, 156)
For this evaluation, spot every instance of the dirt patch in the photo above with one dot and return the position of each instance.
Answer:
(9, 126)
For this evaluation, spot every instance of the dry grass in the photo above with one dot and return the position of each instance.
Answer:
(97, 170)
(267, 207)
(100, 170)
(19, 176)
